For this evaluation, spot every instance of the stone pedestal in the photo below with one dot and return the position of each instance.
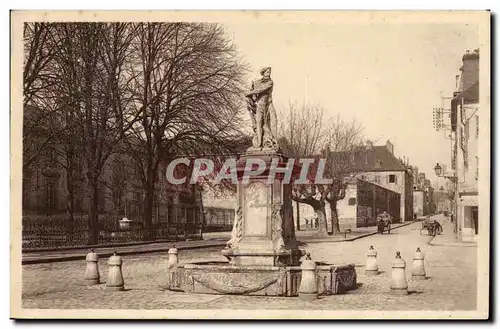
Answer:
(265, 229)
(263, 255)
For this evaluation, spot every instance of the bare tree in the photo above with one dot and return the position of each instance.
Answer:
(341, 146)
(186, 82)
(302, 130)
(302, 136)
(90, 99)
(305, 132)
(40, 48)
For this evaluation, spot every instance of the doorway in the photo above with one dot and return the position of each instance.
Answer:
(475, 220)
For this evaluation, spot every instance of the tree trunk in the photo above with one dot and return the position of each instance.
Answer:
(94, 213)
(148, 212)
(322, 225)
(319, 209)
(70, 208)
(335, 217)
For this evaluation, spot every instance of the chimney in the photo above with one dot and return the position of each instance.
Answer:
(369, 145)
(470, 76)
(390, 147)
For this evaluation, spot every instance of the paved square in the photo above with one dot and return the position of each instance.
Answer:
(451, 283)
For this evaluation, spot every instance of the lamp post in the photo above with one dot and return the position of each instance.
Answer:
(438, 170)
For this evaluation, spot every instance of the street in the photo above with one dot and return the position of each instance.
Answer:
(451, 283)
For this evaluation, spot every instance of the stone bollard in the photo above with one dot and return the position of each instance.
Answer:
(173, 260)
(399, 285)
(115, 277)
(91, 275)
(308, 289)
(371, 262)
(418, 270)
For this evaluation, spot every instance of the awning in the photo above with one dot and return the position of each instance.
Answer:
(468, 201)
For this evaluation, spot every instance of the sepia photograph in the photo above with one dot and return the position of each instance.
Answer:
(250, 164)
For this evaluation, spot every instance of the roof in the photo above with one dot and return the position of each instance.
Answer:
(471, 95)
(377, 158)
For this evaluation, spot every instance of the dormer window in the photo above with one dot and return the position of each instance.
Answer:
(378, 164)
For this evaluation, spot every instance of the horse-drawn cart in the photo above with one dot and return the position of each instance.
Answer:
(384, 222)
(432, 227)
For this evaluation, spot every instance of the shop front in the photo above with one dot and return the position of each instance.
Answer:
(469, 216)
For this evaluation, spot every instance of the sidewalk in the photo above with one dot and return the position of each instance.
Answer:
(210, 240)
(448, 238)
(357, 233)
(309, 235)
(50, 256)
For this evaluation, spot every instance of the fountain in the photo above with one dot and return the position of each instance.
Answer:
(263, 257)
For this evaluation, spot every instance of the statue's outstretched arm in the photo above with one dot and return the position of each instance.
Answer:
(265, 86)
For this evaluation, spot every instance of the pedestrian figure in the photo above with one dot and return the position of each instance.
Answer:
(316, 223)
(307, 222)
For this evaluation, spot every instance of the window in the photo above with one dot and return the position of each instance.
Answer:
(392, 178)
(352, 201)
(477, 167)
(477, 126)
(377, 179)
(378, 163)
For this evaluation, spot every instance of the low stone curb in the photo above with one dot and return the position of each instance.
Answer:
(354, 237)
(111, 245)
(54, 259)
(65, 258)
(452, 244)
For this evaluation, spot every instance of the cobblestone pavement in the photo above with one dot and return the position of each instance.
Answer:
(451, 284)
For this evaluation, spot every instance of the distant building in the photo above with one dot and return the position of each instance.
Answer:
(378, 165)
(363, 202)
(442, 200)
(423, 196)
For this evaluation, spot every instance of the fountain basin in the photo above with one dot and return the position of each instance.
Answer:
(216, 277)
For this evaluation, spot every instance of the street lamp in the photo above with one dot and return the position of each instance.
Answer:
(438, 169)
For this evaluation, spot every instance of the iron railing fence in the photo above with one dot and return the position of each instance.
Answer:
(173, 224)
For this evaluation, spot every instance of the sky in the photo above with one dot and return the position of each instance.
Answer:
(388, 77)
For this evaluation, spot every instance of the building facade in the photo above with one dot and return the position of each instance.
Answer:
(46, 183)
(423, 195)
(379, 165)
(465, 111)
(363, 202)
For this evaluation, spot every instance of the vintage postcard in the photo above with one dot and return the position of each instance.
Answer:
(250, 164)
